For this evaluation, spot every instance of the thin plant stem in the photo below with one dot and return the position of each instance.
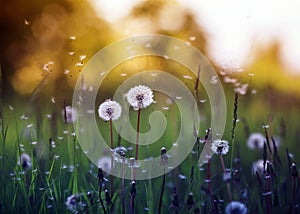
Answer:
(137, 135)
(111, 160)
(162, 191)
(227, 183)
(123, 199)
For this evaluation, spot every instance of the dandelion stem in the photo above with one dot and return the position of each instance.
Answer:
(137, 135)
(227, 183)
(162, 191)
(111, 160)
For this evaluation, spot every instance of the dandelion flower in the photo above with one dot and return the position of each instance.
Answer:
(140, 97)
(25, 161)
(220, 147)
(236, 207)
(109, 110)
(256, 141)
(70, 114)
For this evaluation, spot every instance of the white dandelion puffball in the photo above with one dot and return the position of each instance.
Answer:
(104, 163)
(236, 207)
(110, 110)
(220, 147)
(258, 166)
(25, 161)
(140, 97)
(256, 141)
(70, 114)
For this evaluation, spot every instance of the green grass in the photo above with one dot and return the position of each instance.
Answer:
(46, 186)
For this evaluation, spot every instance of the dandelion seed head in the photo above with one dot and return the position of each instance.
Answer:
(104, 163)
(71, 202)
(25, 161)
(256, 141)
(140, 97)
(220, 147)
(110, 110)
(235, 207)
(258, 166)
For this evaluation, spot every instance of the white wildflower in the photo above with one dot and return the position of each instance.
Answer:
(140, 97)
(109, 110)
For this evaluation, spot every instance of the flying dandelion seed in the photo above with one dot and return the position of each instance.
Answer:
(110, 110)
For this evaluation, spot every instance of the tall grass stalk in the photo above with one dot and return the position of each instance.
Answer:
(233, 128)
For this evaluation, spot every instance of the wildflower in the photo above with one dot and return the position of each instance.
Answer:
(25, 161)
(220, 147)
(71, 203)
(104, 163)
(235, 207)
(70, 114)
(109, 110)
(256, 141)
(140, 97)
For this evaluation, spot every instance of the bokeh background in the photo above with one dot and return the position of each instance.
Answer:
(254, 46)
